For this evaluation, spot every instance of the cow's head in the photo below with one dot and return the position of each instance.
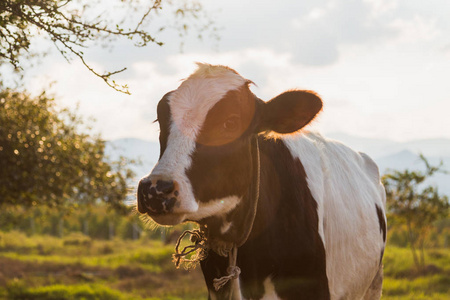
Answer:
(207, 126)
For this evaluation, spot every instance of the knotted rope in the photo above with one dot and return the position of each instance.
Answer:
(233, 271)
(198, 237)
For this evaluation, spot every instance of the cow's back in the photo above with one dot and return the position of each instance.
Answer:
(346, 185)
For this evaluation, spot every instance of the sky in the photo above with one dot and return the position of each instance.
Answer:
(382, 67)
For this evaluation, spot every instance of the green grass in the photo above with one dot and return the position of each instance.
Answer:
(70, 268)
(398, 262)
(403, 281)
(428, 287)
(147, 254)
(154, 260)
(16, 291)
(76, 267)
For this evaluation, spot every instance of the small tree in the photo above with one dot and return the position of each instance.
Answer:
(417, 208)
(46, 158)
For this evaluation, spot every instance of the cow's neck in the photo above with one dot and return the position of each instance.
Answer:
(284, 247)
(240, 219)
(222, 244)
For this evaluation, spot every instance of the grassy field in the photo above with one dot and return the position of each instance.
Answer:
(76, 267)
(403, 281)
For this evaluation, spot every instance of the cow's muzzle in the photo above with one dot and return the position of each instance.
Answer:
(156, 196)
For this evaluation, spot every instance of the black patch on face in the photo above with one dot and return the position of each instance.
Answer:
(381, 221)
(222, 171)
(163, 112)
(221, 163)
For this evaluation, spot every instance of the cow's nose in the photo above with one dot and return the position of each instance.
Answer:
(156, 196)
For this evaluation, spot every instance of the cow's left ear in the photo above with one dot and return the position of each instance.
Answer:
(289, 111)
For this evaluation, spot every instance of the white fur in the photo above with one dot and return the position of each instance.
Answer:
(269, 290)
(225, 227)
(193, 99)
(172, 165)
(346, 186)
(214, 207)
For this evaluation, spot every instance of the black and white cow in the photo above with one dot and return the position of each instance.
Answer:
(317, 223)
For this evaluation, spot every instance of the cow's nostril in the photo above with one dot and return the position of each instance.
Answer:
(144, 186)
(170, 203)
(164, 186)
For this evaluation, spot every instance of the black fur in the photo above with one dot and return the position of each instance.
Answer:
(383, 228)
(381, 221)
(163, 112)
(284, 243)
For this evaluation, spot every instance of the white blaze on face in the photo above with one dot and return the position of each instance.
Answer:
(189, 106)
(191, 102)
(172, 166)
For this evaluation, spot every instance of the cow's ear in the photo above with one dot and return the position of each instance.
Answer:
(289, 111)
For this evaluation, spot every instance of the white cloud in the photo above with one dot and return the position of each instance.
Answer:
(417, 29)
(381, 7)
(324, 29)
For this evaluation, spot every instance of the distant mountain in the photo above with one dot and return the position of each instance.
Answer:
(388, 154)
(383, 147)
(408, 160)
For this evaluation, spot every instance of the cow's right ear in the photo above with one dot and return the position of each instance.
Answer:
(289, 111)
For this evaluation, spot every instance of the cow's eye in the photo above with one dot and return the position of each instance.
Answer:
(231, 124)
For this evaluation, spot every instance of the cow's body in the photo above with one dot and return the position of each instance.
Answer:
(310, 188)
(319, 230)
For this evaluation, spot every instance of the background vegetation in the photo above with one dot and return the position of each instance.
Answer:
(66, 231)
(126, 265)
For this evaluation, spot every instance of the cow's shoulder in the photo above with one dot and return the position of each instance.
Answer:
(332, 168)
(326, 154)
